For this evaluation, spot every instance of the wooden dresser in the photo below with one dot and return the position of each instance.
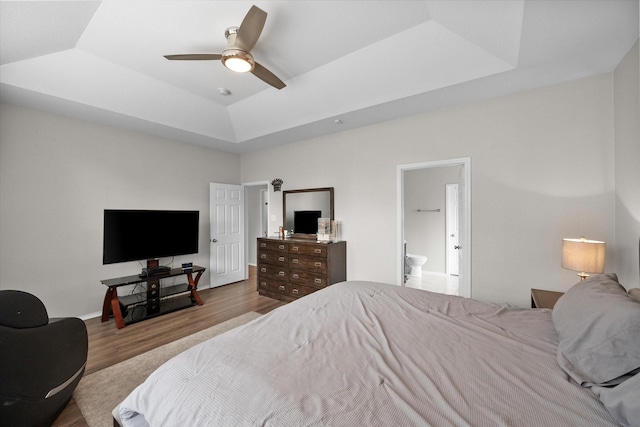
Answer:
(292, 268)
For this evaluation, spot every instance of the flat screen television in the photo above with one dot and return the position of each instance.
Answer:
(306, 222)
(133, 235)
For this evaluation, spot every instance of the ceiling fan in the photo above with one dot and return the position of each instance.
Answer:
(237, 56)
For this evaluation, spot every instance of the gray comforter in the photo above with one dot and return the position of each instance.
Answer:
(363, 353)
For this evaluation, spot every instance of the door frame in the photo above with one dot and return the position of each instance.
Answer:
(464, 225)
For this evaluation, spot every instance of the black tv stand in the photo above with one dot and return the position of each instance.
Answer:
(154, 300)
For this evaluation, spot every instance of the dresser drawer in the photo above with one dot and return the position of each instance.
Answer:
(273, 257)
(319, 250)
(272, 272)
(273, 245)
(271, 285)
(308, 263)
(308, 278)
(298, 291)
(289, 269)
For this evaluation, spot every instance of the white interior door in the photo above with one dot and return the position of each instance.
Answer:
(227, 233)
(452, 230)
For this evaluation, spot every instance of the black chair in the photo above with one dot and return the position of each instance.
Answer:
(41, 360)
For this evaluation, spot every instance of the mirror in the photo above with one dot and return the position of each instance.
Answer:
(302, 208)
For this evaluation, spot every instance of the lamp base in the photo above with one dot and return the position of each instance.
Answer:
(583, 275)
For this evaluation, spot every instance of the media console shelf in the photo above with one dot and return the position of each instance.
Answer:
(154, 301)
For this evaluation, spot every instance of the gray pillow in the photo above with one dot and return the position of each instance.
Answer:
(622, 401)
(598, 325)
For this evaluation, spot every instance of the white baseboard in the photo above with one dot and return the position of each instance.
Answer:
(90, 315)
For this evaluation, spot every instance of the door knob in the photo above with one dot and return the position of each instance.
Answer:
(456, 247)
(214, 240)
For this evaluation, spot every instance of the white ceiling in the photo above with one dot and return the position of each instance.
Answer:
(358, 61)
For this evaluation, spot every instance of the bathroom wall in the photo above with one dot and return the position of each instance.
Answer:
(425, 231)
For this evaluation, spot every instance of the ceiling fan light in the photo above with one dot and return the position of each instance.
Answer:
(238, 65)
(238, 61)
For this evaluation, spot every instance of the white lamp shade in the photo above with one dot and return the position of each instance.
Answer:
(583, 255)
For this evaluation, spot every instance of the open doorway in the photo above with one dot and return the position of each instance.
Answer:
(256, 218)
(434, 204)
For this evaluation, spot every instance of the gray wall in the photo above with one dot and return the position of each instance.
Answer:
(57, 175)
(542, 168)
(627, 171)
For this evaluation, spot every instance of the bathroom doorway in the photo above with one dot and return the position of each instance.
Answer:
(435, 223)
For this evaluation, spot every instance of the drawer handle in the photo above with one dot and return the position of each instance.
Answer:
(295, 261)
(318, 280)
(318, 264)
(318, 251)
(281, 259)
(280, 273)
(295, 292)
(263, 245)
(294, 248)
(280, 246)
(263, 255)
(295, 276)
(281, 287)
(263, 283)
(263, 270)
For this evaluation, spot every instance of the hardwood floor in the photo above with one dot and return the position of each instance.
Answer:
(109, 345)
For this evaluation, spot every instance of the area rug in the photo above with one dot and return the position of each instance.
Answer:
(100, 392)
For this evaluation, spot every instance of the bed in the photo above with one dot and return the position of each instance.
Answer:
(365, 353)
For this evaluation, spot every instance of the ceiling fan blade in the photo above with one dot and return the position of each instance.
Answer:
(251, 28)
(267, 76)
(195, 57)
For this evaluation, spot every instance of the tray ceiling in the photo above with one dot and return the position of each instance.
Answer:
(358, 61)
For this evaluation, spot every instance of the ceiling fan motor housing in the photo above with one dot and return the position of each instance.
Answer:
(233, 57)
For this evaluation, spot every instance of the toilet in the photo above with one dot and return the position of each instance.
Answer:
(414, 264)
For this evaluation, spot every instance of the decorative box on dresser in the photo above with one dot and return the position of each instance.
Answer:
(292, 268)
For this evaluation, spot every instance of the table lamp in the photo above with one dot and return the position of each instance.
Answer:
(585, 256)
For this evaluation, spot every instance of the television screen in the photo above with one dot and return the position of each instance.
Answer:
(306, 222)
(132, 235)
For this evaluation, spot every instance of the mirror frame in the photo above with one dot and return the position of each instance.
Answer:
(305, 190)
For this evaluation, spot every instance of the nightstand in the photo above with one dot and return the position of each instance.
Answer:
(544, 299)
